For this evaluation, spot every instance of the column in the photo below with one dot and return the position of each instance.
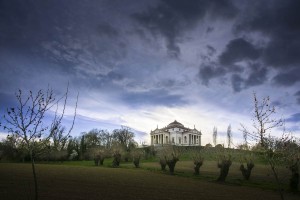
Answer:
(159, 139)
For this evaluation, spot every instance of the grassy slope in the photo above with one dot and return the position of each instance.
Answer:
(80, 182)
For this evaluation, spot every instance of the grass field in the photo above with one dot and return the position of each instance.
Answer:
(82, 180)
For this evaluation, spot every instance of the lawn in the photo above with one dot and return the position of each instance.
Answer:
(85, 181)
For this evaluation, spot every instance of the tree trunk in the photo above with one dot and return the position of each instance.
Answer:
(34, 176)
(277, 180)
(171, 164)
(136, 162)
(101, 160)
(294, 181)
(163, 164)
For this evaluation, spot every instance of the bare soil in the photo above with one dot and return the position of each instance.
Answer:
(81, 182)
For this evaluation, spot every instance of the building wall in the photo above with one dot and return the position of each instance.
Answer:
(175, 136)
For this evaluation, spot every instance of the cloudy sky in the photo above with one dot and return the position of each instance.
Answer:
(144, 63)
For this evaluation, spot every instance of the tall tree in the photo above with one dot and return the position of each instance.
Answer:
(215, 135)
(124, 136)
(106, 138)
(229, 136)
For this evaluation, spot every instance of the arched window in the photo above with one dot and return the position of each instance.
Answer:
(179, 140)
(185, 139)
(167, 139)
(173, 141)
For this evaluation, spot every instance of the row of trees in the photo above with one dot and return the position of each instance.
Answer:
(60, 146)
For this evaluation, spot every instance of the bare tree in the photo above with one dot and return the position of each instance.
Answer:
(26, 121)
(263, 120)
(263, 123)
(229, 136)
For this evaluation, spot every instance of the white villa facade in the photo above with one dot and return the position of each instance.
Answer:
(176, 134)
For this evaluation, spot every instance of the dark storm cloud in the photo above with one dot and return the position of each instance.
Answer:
(105, 29)
(153, 97)
(294, 118)
(280, 22)
(6, 101)
(210, 71)
(59, 37)
(288, 78)
(238, 50)
(237, 82)
(170, 18)
(257, 76)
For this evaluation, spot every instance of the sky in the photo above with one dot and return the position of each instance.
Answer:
(144, 64)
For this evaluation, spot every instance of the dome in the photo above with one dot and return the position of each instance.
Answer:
(175, 124)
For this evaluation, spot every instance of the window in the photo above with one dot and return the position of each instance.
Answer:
(167, 139)
(185, 139)
(173, 140)
(179, 140)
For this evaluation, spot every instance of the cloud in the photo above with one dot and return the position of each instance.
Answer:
(237, 82)
(297, 94)
(210, 71)
(279, 23)
(294, 118)
(238, 50)
(171, 18)
(106, 29)
(287, 78)
(153, 97)
(257, 76)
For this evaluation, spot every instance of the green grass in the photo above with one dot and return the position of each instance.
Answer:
(73, 180)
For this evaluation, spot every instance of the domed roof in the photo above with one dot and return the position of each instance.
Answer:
(175, 124)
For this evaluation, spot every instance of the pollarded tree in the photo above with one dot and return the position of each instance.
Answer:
(198, 159)
(224, 163)
(26, 121)
(171, 156)
(136, 156)
(246, 166)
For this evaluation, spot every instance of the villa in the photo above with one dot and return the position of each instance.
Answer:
(176, 134)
